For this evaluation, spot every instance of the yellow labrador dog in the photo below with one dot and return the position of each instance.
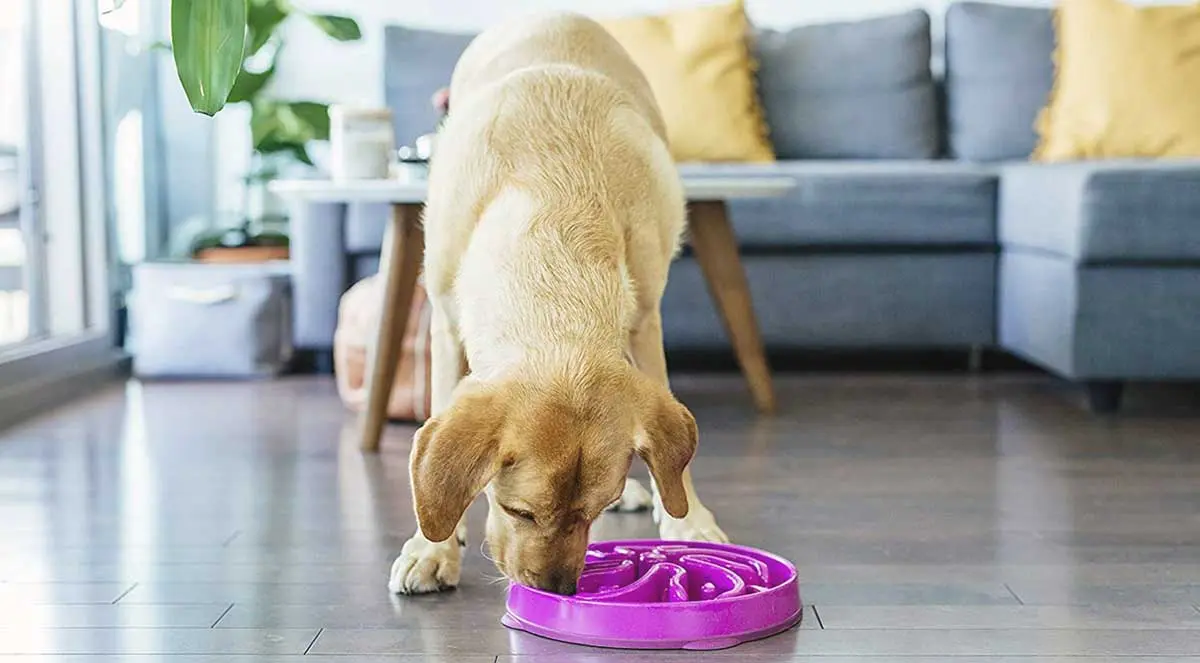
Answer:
(554, 211)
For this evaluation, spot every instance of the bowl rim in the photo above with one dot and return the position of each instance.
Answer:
(792, 580)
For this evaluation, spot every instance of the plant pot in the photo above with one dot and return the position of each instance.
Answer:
(242, 254)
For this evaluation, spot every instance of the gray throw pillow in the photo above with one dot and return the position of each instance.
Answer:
(853, 90)
(416, 64)
(999, 71)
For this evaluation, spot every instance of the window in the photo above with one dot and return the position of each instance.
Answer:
(55, 297)
(15, 268)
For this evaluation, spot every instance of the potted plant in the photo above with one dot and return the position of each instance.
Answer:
(215, 68)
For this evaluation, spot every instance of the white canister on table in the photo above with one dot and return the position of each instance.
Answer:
(361, 142)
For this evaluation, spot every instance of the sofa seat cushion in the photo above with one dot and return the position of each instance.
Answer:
(866, 203)
(1104, 212)
(1124, 322)
(833, 300)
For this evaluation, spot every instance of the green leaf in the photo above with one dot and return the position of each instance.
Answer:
(249, 84)
(263, 122)
(341, 28)
(298, 151)
(287, 127)
(315, 116)
(301, 154)
(208, 38)
(262, 18)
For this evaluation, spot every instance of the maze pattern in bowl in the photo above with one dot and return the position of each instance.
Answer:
(665, 595)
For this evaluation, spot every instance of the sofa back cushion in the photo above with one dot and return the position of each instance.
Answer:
(999, 71)
(859, 89)
(416, 64)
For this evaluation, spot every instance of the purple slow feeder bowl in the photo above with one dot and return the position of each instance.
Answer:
(665, 595)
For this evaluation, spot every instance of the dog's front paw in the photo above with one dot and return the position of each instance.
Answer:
(635, 497)
(424, 566)
(698, 525)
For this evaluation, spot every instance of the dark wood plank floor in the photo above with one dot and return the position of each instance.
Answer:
(934, 519)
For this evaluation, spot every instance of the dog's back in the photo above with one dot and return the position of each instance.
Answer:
(552, 184)
(547, 40)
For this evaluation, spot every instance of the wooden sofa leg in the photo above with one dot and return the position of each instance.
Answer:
(1104, 396)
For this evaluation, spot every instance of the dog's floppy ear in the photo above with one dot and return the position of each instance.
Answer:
(667, 445)
(454, 456)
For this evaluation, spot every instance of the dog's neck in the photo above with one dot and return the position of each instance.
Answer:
(539, 300)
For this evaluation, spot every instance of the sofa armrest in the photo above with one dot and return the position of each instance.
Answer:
(319, 271)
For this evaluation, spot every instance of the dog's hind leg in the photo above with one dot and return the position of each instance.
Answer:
(698, 525)
(645, 343)
(633, 498)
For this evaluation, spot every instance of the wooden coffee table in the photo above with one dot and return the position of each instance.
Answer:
(711, 237)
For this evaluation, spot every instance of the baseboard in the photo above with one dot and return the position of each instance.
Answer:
(312, 362)
(39, 396)
(320, 362)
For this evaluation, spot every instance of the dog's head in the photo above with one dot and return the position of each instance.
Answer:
(552, 457)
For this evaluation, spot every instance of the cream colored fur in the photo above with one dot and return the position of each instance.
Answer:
(554, 212)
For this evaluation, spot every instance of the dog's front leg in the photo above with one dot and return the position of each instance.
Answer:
(646, 346)
(426, 566)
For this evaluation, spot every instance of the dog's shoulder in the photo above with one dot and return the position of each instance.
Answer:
(565, 47)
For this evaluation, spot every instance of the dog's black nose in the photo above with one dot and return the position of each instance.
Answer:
(561, 582)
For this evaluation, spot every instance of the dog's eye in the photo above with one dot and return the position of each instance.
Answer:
(519, 514)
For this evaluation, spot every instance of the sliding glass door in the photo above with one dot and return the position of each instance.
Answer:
(19, 265)
(56, 293)
(53, 210)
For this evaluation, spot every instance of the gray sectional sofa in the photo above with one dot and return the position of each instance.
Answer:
(917, 220)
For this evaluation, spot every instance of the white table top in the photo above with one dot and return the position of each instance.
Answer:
(697, 188)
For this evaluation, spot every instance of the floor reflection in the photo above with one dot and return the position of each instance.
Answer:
(929, 516)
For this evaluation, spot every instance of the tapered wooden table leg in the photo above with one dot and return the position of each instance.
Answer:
(399, 263)
(716, 249)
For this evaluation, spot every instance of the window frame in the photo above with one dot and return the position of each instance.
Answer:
(65, 206)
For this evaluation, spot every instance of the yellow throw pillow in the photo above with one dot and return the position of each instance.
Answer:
(1127, 83)
(699, 66)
